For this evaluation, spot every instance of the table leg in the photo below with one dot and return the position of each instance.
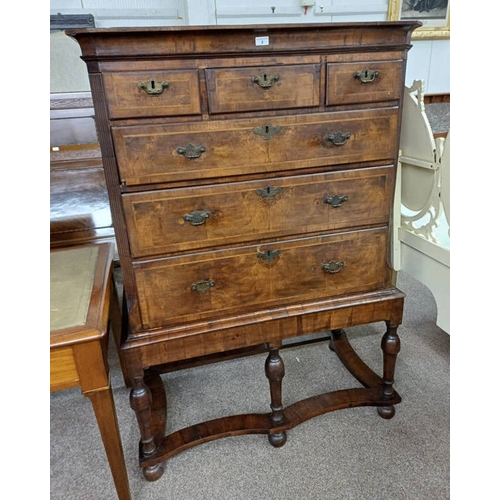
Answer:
(390, 347)
(275, 371)
(141, 403)
(105, 412)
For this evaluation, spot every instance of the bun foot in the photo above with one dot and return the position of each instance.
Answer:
(386, 412)
(278, 439)
(154, 472)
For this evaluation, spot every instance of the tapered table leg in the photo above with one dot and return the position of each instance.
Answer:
(104, 410)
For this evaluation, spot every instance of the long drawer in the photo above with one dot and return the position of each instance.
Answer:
(192, 218)
(165, 153)
(197, 287)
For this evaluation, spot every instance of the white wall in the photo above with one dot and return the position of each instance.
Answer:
(428, 60)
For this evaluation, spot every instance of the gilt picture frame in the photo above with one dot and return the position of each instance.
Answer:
(434, 14)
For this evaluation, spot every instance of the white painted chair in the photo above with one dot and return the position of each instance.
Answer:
(421, 225)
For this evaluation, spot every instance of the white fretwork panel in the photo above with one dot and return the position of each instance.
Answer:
(126, 13)
(421, 232)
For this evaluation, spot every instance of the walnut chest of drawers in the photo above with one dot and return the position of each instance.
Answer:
(251, 173)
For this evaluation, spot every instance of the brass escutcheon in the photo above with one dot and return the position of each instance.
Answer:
(366, 76)
(268, 255)
(269, 195)
(335, 201)
(267, 130)
(153, 86)
(265, 80)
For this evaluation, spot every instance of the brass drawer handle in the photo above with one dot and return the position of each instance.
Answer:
(332, 267)
(268, 255)
(265, 80)
(197, 218)
(202, 286)
(339, 139)
(153, 86)
(191, 152)
(335, 201)
(366, 76)
(267, 130)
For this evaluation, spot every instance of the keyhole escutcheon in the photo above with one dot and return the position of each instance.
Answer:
(366, 75)
(267, 130)
(153, 86)
(265, 80)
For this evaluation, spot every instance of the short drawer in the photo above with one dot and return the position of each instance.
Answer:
(165, 153)
(198, 287)
(173, 220)
(149, 94)
(262, 88)
(361, 82)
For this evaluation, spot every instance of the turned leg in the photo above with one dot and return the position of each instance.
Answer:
(275, 371)
(140, 402)
(390, 347)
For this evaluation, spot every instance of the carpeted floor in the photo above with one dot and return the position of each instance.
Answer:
(344, 455)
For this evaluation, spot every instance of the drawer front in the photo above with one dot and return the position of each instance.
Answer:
(150, 94)
(362, 82)
(63, 372)
(165, 153)
(261, 88)
(177, 220)
(198, 287)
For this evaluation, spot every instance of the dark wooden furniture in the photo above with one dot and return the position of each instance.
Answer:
(251, 173)
(81, 289)
(79, 204)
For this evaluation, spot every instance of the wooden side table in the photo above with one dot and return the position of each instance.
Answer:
(82, 292)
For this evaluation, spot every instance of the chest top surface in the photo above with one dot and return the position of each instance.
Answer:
(109, 43)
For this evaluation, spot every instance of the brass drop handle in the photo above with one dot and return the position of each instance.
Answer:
(191, 152)
(202, 286)
(335, 201)
(338, 139)
(265, 80)
(332, 267)
(153, 86)
(197, 218)
(366, 76)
